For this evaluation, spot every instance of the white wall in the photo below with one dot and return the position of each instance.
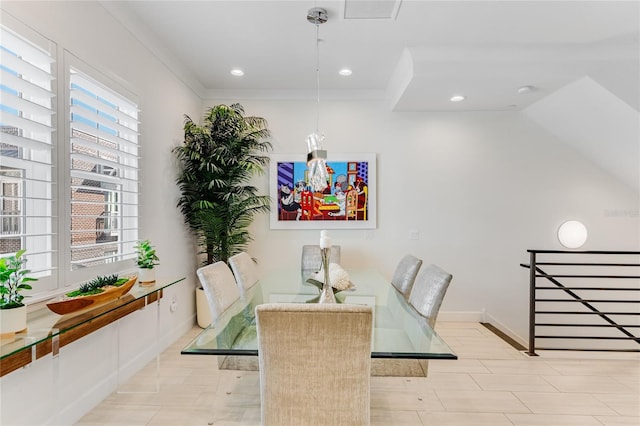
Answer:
(481, 188)
(91, 34)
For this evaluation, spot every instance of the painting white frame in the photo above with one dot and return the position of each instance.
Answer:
(369, 223)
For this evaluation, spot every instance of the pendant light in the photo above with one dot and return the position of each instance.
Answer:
(317, 155)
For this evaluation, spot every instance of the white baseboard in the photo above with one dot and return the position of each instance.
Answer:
(92, 397)
(481, 316)
(461, 316)
(80, 406)
(506, 330)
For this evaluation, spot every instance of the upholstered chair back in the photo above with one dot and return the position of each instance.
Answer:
(405, 274)
(219, 286)
(245, 271)
(311, 260)
(315, 363)
(428, 291)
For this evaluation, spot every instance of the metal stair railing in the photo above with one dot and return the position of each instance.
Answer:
(596, 289)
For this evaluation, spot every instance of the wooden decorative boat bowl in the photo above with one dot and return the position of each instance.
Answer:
(67, 306)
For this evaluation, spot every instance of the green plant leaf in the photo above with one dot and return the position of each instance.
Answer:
(13, 277)
(147, 258)
(216, 163)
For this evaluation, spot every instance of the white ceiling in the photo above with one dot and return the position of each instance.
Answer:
(582, 59)
(430, 51)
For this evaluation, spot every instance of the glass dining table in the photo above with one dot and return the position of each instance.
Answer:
(399, 332)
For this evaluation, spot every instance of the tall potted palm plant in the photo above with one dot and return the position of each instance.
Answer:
(217, 160)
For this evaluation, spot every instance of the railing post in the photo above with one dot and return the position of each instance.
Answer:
(532, 304)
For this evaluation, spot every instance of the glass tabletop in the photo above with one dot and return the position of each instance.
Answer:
(398, 332)
(43, 324)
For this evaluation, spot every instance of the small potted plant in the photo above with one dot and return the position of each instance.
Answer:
(13, 279)
(147, 260)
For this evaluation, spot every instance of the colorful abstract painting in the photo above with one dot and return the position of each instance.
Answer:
(348, 201)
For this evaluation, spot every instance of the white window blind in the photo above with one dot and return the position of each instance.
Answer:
(27, 117)
(104, 173)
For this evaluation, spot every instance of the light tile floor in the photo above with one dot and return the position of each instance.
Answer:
(490, 384)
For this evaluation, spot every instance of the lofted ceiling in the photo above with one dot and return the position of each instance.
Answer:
(417, 57)
(580, 59)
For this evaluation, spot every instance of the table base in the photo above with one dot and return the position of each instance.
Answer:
(380, 367)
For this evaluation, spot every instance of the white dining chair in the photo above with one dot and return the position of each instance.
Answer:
(405, 274)
(219, 286)
(245, 271)
(428, 291)
(315, 363)
(311, 259)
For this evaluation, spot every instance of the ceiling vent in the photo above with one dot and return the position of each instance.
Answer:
(371, 9)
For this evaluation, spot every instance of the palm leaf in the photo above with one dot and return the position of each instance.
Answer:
(216, 163)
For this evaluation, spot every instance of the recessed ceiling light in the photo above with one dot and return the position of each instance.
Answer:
(457, 98)
(345, 72)
(237, 72)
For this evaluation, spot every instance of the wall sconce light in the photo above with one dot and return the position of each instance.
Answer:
(572, 234)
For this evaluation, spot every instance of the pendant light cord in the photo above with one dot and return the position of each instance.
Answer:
(317, 79)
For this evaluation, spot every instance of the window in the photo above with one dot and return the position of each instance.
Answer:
(69, 164)
(27, 124)
(104, 173)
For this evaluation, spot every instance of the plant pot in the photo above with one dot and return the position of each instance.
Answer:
(146, 276)
(13, 320)
(203, 312)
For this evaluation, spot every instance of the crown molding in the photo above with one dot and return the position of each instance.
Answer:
(140, 32)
